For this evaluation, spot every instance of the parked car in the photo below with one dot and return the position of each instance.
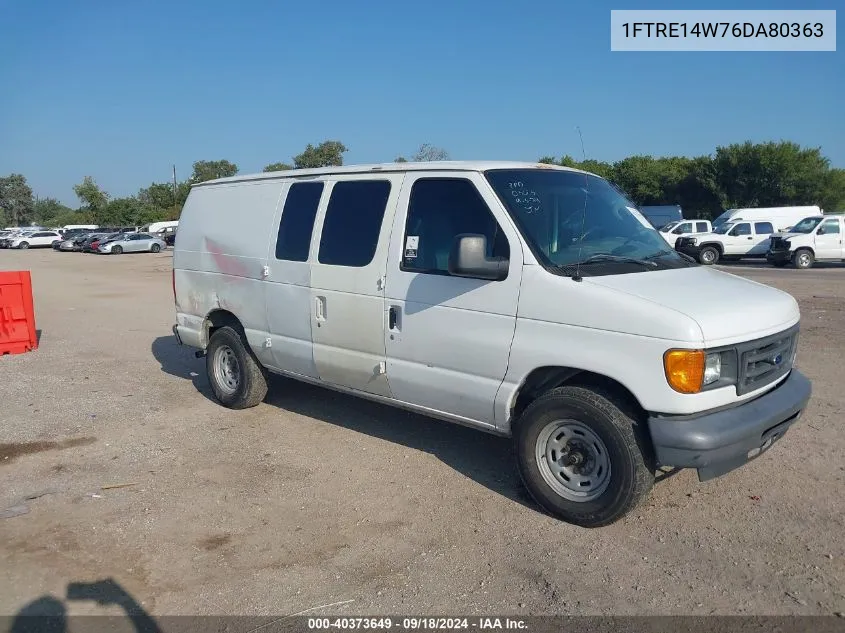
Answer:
(780, 217)
(87, 245)
(132, 243)
(731, 242)
(170, 238)
(448, 289)
(672, 231)
(6, 242)
(812, 239)
(36, 239)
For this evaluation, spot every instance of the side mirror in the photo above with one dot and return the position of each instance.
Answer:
(468, 258)
(820, 231)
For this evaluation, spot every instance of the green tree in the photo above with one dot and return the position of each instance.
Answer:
(278, 167)
(428, 152)
(205, 170)
(326, 154)
(400, 159)
(94, 200)
(833, 194)
(16, 202)
(47, 211)
(160, 198)
(771, 174)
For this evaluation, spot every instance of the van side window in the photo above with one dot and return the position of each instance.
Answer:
(701, 227)
(763, 228)
(741, 229)
(297, 222)
(440, 209)
(830, 226)
(353, 222)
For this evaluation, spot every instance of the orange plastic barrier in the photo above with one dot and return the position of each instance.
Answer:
(17, 314)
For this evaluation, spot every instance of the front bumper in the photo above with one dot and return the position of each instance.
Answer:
(692, 251)
(717, 443)
(779, 257)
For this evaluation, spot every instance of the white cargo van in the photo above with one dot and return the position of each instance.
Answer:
(781, 217)
(521, 299)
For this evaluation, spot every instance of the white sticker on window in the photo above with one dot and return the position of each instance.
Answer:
(640, 217)
(411, 244)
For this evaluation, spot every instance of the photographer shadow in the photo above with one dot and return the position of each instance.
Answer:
(48, 614)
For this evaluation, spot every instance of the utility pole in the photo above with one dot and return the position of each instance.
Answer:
(174, 185)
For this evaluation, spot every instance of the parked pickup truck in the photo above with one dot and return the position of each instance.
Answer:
(730, 241)
(672, 231)
(813, 239)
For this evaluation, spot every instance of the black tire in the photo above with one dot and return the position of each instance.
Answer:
(155, 248)
(803, 258)
(23, 245)
(708, 255)
(251, 385)
(625, 439)
(116, 250)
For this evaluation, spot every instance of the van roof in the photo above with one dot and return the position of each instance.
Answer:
(441, 165)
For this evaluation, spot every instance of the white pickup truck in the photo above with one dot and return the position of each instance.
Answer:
(730, 241)
(812, 239)
(672, 231)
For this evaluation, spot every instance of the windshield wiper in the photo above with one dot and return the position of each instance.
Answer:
(607, 257)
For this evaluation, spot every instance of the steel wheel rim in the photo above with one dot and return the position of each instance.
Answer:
(227, 370)
(803, 260)
(708, 257)
(573, 460)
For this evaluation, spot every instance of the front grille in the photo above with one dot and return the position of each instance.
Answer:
(765, 360)
(778, 244)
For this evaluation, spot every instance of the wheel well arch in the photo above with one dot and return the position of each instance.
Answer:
(717, 245)
(216, 319)
(543, 379)
(806, 248)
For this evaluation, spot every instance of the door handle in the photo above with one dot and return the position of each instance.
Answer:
(750, 238)
(320, 309)
(392, 317)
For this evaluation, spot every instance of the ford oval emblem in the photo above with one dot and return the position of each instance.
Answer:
(777, 359)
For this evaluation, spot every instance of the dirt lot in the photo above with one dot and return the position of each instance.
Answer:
(315, 498)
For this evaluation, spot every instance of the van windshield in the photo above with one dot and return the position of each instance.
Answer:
(722, 218)
(806, 225)
(570, 218)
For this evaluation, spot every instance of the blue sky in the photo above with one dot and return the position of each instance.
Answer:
(120, 90)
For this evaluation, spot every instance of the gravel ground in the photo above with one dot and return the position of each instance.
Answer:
(315, 498)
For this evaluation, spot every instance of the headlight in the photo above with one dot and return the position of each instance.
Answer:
(688, 370)
(712, 368)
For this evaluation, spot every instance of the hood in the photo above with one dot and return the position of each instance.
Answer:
(727, 308)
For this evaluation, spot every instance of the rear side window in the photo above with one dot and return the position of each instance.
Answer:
(294, 238)
(353, 222)
(763, 228)
(440, 209)
(701, 227)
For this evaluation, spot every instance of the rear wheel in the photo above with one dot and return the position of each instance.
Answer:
(583, 455)
(155, 248)
(237, 378)
(803, 258)
(708, 256)
(116, 250)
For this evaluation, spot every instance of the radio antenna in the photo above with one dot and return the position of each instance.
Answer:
(577, 276)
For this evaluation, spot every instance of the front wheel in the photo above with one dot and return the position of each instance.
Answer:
(237, 378)
(803, 258)
(23, 245)
(155, 248)
(116, 250)
(583, 455)
(708, 256)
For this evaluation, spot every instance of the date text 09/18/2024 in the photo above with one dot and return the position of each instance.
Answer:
(417, 623)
